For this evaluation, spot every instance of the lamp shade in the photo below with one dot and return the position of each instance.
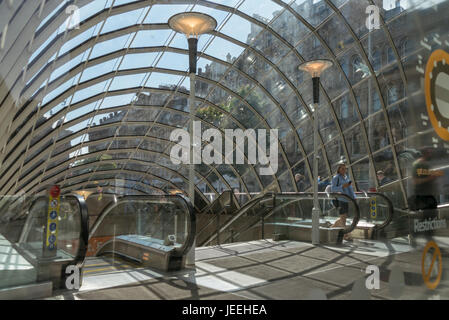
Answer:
(192, 24)
(315, 67)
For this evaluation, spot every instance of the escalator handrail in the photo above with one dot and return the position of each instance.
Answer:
(84, 240)
(248, 205)
(177, 252)
(308, 195)
(212, 204)
(84, 224)
(328, 195)
(390, 208)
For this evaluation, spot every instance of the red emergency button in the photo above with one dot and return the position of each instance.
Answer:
(55, 191)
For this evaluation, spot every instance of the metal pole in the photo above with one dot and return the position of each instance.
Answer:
(316, 206)
(193, 43)
(190, 258)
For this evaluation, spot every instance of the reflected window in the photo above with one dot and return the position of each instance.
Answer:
(392, 94)
(405, 48)
(390, 55)
(376, 102)
(344, 110)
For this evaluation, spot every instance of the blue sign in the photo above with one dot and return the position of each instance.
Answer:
(52, 239)
(52, 226)
(53, 214)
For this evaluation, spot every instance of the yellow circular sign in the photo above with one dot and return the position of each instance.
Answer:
(427, 273)
(436, 88)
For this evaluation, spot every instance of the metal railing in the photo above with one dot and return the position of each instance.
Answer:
(265, 205)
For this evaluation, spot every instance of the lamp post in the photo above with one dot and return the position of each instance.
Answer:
(315, 68)
(192, 25)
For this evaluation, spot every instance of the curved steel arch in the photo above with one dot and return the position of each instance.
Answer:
(107, 76)
(120, 52)
(48, 179)
(62, 155)
(113, 124)
(275, 67)
(98, 97)
(106, 172)
(382, 102)
(350, 88)
(83, 131)
(76, 186)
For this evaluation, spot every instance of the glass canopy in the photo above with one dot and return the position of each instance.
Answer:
(91, 92)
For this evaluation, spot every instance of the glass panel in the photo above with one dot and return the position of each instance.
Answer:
(99, 69)
(138, 60)
(336, 35)
(383, 161)
(291, 147)
(355, 14)
(326, 124)
(345, 111)
(391, 85)
(304, 182)
(263, 11)
(314, 12)
(354, 66)
(311, 48)
(360, 171)
(145, 220)
(322, 168)
(362, 93)
(391, 9)
(155, 37)
(240, 28)
(289, 27)
(335, 152)
(355, 143)
(269, 46)
(220, 48)
(376, 130)
(123, 20)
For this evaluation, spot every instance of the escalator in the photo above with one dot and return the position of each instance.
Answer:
(150, 231)
(218, 211)
(280, 216)
(30, 267)
(288, 216)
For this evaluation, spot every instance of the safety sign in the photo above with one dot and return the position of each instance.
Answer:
(52, 218)
(373, 207)
(431, 271)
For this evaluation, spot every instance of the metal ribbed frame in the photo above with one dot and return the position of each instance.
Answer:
(17, 147)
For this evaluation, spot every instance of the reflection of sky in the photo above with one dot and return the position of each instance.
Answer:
(265, 9)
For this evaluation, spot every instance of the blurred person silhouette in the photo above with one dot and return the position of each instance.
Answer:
(342, 183)
(382, 178)
(425, 183)
(300, 183)
(425, 189)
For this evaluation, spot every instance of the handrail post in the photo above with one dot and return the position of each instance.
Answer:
(263, 227)
(218, 228)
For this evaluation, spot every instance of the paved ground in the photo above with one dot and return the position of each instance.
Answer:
(284, 270)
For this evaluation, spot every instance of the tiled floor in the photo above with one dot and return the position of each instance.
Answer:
(273, 270)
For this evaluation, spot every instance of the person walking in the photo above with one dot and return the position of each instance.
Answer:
(342, 183)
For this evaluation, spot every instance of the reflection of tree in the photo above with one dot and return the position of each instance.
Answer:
(237, 108)
(97, 161)
(240, 111)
